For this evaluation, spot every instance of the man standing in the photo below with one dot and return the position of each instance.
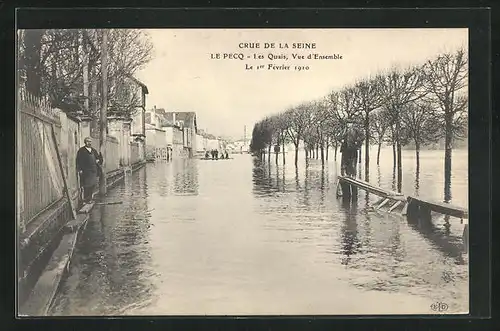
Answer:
(349, 149)
(88, 164)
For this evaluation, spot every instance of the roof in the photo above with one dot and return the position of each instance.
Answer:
(167, 118)
(186, 117)
(141, 84)
(180, 116)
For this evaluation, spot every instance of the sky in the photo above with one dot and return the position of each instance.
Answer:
(227, 97)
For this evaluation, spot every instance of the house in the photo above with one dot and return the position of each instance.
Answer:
(186, 122)
(125, 120)
(172, 134)
(138, 129)
(156, 137)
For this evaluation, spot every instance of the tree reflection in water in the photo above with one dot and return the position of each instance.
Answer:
(186, 176)
(349, 231)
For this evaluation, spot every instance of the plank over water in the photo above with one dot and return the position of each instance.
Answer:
(440, 207)
(372, 189)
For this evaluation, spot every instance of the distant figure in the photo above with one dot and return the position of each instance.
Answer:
(216, 154)
(88, 165)
(351, 143)
(206, 155)
(227, 155)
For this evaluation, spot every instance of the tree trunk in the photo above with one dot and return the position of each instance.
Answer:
(296, 154)
(378, 153)
(400, 168)
(322, 155)
(447, 159)
(394, 154)
(269, 153)
(283, 143)
(335, 155)
(398, 147)
(317, 151)
(277, 154)
(359, 155)
(367, 143)
(417, 154)
(327, 148)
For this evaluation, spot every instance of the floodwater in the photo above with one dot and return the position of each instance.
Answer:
(241, 237)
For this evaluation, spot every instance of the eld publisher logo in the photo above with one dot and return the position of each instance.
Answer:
(439, 306)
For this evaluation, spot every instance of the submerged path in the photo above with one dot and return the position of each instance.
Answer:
(242, 237)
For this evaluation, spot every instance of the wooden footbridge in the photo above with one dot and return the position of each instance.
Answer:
(414, 207)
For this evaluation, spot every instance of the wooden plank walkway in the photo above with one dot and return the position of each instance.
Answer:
(352, 182)
(422, 208)
(413, 206)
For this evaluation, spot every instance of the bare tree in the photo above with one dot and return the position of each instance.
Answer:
(401, 87)
(446, 80)
(54, 62)
(369, 97)
(421, 126)
(321, 119)
(298, 120)
(342, 104)
(379, 125)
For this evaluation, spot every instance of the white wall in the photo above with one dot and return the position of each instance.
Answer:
(200, 143)
(213, 144)
(169, 135)
(137, 122)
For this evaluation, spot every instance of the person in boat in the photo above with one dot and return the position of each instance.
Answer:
(351, 143)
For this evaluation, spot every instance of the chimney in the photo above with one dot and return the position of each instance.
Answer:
(173, 118)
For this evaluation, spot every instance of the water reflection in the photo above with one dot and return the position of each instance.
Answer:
(306, 189)
(447, 188)
(185, 176)
(440, 237)
(351, 244)
(261, 178)
(378, 175)
(417, 181)
(394, 187)
(322, 184)
(112, 257)
(253, 236)
(297, 181)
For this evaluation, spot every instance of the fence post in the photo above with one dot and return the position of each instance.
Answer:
(104, 123)
(19, 173)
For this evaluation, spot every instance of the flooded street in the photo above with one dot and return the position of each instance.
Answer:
(244, 237)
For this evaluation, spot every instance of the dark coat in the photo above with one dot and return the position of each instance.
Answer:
(353, 140)
(90, 165)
